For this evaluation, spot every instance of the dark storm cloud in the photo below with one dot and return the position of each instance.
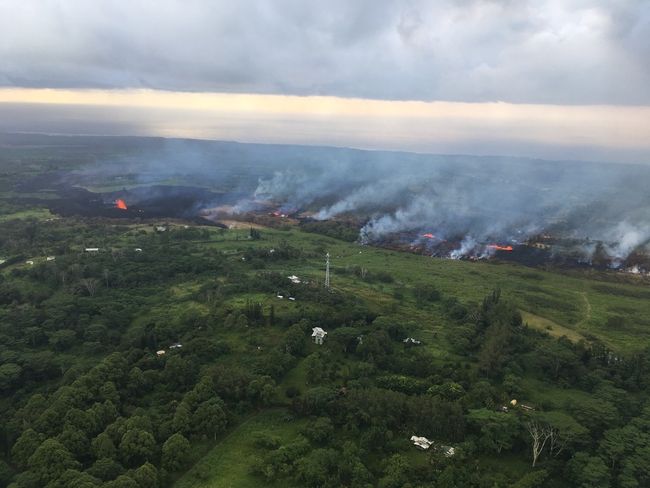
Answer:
(542, 51)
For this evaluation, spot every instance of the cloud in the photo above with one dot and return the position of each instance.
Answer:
(528, 51)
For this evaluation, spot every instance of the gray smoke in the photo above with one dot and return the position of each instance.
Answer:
(477, 200)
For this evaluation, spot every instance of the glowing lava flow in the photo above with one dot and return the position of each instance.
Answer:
(497, 247)
(121, 204)
(429, 236)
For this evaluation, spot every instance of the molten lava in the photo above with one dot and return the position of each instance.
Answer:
(429, 235)
(121, 204)
(497, 247)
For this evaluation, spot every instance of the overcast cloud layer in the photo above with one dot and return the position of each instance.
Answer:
(533, 51)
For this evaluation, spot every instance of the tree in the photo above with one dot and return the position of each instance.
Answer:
(122, 481)
(531, 480)
(588, 471)
(178, 372)
(294, 340)
(9, 373)
(318, 468)
(75, 440)
(90, 285)
(75, 479)
(395, 472)
(425, 293)
(102, 447)
(175, 451)
(539, 435)
(597, 415)
(182, 418)
(25, 446)
(137, 446)
(209, 419)
(320, 430)
(146, 476)
(106, 469)
(498, 430)
(50, 461)
(5, 473)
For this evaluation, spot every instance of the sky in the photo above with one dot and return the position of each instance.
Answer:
(545, 78)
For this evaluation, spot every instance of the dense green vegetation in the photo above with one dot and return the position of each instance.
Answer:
(250, 400)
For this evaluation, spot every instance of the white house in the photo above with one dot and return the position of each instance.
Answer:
(50, 258)
(318, 334)
(177, 345)
(294, 279)
(410, 340)
(421, 442)
(137, 249)
(92, 249)
(30, 262)
(160, 353)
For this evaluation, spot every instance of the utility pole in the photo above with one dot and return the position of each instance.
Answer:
(327, 270)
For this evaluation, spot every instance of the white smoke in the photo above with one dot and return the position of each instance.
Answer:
(624, 239)
(467, 246)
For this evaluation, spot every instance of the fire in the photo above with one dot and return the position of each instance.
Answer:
(121, 204)
(429, 235)
(497, 247)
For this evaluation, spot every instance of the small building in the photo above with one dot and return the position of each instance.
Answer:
(92, 249)
(30, 262)
(318, 334)
(448, 451)
(293, 299)
(294, 279)
(161, 228)
(280, 296)
(421, 442)
(50, 258)
(176, 345)
(160, 353)
(137, 249)
(410, 340)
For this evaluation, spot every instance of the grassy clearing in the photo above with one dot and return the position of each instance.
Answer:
(32, 213)
(550, 327)
(227, 465)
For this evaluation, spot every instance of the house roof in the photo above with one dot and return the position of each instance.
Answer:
(422, 442)
(318, 332)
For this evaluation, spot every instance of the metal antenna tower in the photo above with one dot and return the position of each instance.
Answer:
(327, 270)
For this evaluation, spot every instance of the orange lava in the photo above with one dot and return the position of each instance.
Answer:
(121, 204)
(497, 247)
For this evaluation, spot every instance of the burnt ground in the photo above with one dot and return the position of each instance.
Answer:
(146, 202)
